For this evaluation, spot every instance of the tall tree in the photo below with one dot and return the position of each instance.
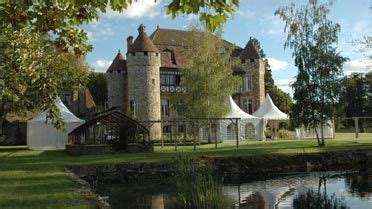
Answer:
(33, 73)
(312, 38)
(97, 84)
(356, 97)
(369, 93)
(281, 99)
(207, 77)
(32, 29)
(269, 81)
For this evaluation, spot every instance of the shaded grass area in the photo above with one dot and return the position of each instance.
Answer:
(33, 179)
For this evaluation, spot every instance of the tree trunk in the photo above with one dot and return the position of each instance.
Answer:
(318, 138)
(322, 133)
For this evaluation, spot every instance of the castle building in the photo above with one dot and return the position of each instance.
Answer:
(143, 83)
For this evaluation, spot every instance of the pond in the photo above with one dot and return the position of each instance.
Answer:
(300, 190)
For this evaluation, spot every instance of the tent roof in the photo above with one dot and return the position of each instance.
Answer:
(269, 111)
(236, 112)
(66, 115)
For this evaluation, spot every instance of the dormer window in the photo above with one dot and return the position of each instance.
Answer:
(172, 55)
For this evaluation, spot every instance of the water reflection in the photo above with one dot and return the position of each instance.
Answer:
(321, 190)
(359, 185)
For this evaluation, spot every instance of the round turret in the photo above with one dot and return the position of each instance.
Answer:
(143, 65)
(117, 83)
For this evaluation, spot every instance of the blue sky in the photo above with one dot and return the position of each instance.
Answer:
(253, 18)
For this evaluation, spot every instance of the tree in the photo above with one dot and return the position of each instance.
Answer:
(97, 84)
(281, 99)
(369, 94)
(312, 38)
(33, 73)
(37, 36)
(354, 101)
(208, 77)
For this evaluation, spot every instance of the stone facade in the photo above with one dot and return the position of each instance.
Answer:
(144, 88)
(117, 86)
(152, 72)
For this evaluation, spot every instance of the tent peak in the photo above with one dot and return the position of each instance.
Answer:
(270, 111)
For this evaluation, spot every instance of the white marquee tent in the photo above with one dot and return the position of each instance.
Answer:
(248, 125)
(44, 136)
(309, 133)
(272, 115)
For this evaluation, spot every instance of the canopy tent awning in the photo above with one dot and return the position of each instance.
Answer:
(270, 111)
(236, 112)
(43, 136)
(227, 127)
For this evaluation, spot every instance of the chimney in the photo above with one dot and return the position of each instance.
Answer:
(129, 42)
(141, 29)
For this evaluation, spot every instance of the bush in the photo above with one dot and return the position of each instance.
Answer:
(197, 187)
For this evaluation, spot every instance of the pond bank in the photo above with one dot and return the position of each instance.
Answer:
(232, 168)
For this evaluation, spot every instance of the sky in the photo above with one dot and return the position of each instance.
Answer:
(253, 18)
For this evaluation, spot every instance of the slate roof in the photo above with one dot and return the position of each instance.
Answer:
(170, 41)
(118, 64)
(142, 43)
(171, 44)
(249, 51)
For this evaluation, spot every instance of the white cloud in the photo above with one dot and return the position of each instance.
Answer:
(99, 30)
(138, 9)
(284, 84)
(357, 66)
(276, 64)
(101, 65)
(272, 26)
(246, 13)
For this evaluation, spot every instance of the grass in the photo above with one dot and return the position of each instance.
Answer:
(34, 179)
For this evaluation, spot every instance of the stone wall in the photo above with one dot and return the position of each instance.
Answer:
(232, 168)
(117, 90)
(144, 88)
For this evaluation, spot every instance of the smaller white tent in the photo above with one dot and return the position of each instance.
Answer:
(44, 136)
(248, 125)
(309, 133)
(270, 114)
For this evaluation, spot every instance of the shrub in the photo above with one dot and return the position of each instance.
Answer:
(197, 187)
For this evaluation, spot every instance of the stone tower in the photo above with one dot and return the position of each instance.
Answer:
(117, 83)
(254, 65)
(143, 66)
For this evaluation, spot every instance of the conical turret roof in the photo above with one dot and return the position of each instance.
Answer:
(269, 111)
(250, 51)
(236, 112)
(142, 43)
(118, 64)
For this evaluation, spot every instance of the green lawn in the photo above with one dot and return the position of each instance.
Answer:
(33, 179)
